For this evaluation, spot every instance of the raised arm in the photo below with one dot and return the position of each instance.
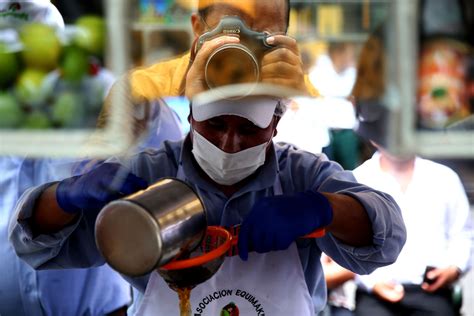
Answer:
(60, 204)
(276, 221)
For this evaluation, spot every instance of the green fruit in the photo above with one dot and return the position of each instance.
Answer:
(36, 120)
(11, 114)
(75, 64)
(41, 46)
(67, 110)
(29, 87)
(91, 34)
(9, 66)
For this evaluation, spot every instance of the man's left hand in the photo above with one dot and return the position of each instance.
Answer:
(283, 65)
(276, 221)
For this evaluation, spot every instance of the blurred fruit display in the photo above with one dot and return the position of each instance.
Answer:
(29, 88)
(53, 79)
(9, 66)
(442, 87)
(445, 54)
(36, 120)
(74, 64)
(10, 113)
(67, 109)
(41, 46)
(91, 34)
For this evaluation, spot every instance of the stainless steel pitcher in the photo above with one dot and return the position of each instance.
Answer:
(149, 228)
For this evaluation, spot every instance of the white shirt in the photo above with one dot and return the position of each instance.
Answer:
(307, 125)
(435, 209)
(329, 82)
(304, 126)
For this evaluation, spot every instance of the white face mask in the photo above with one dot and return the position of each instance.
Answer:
(225, 168)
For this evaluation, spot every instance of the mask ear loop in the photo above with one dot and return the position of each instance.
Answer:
(270, 141)
(192, 132)
(279, 116)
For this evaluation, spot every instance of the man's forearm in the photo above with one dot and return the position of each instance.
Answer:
(350, 223)
(48, 217)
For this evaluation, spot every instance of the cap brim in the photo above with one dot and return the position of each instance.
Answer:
(255, 102)
(257, 109)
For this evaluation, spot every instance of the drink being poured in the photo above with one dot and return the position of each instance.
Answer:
(192, 269)
(184, 295)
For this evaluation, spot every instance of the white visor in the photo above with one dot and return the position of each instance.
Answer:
(257, 109)
(256, 104)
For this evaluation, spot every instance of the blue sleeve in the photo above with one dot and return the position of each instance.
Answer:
(72, 247)
(389, 232)
(304, 171)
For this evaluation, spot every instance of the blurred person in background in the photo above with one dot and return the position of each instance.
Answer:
(333, 76)
(341, 289)
(334, 73)
(304, 125)
(23, 290)
(438, 249)
(167, 78)
(310, 123)
(434, 204)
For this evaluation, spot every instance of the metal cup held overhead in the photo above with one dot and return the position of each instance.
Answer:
(149, 228)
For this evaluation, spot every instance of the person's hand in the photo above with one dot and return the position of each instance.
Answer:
(283, 65)
(93, 190)
(389, 291)
(195, 78)
(276, 221)
(441, 278)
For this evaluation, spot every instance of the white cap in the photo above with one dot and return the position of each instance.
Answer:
(257, 109)
(255, 102)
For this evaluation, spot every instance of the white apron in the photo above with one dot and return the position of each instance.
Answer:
(266, 284)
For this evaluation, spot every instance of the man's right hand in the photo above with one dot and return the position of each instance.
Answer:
(389, 291)
(283, 65)
(93, 190)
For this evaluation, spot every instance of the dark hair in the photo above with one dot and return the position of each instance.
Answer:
(335, 47)
(205, 11)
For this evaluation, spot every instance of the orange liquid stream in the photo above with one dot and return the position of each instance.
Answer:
(184, 295)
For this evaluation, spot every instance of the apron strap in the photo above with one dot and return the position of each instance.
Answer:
(180, 173)
(277, 187)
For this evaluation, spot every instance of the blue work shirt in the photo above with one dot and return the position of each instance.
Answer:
(298, 171)
(25, 291)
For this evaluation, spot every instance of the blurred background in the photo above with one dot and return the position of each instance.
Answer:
(54, 78)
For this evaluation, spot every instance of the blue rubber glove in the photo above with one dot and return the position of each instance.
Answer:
(93, 190)
(276, 221)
